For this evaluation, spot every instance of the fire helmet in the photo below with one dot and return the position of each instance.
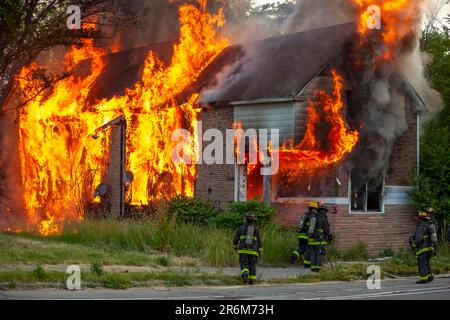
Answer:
(323, 207)
(250, 216)
(429, 210)
(422, 215)
(313, 205)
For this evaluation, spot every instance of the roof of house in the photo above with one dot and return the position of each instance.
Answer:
(275, 67)
(123, 69)
(278, 67)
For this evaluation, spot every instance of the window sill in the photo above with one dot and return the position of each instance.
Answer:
(366, 212)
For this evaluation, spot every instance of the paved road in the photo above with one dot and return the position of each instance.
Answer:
(404, 288)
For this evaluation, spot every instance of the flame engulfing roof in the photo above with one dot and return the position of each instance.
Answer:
(273, 67)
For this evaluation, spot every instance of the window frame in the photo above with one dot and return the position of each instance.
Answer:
(365, 212)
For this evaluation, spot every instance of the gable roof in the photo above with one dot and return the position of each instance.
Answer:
(123, 69)
(281, 66)
(276, 67)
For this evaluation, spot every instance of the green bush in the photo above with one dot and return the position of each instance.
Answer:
(388, 252)
(236, 212)
(358, 252)
(279, 242)
(191, 210)
(116, 281)
(164, 261)
(96, 269)
(40, 273)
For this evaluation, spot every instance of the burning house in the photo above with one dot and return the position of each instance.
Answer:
(290, 75)
(333, 159)
(348, 122)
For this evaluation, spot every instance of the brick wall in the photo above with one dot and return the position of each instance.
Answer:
(113, 174)
(404, 156)
(215, 183)
(378, 231)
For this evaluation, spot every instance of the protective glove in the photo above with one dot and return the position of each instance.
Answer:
(412, 241)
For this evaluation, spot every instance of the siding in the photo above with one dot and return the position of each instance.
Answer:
(268, 116)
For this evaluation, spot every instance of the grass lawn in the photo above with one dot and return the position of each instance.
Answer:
(140, 243)
(164, 243)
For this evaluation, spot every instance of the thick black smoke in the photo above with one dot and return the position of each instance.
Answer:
(377, 104)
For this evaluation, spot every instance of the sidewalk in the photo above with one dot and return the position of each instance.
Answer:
(264, 273)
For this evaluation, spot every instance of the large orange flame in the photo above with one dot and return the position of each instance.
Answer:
(61, 163)
(310, 155)
(398, 19)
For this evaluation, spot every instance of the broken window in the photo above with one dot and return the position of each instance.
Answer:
(366, 197)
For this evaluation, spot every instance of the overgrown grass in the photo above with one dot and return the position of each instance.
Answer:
(404, 263)
(137, 242)
(355, 253)
(16, 249)
(162, 242)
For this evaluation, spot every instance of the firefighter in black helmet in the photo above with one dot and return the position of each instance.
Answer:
(433, 226)
(302, 231)
(430, 212)
(318, 232)
(249, 243)
(423, 246)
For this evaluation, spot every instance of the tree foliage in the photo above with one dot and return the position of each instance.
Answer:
(30, 27)
(234, 216)
(432, 183)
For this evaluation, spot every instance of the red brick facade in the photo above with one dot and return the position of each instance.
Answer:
(215, 183)
(114, 174)
(404, 158)
(379, 231)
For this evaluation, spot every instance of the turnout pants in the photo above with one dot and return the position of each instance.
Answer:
(248, 267)
(423, 262)
(317, 253)
(301, 250)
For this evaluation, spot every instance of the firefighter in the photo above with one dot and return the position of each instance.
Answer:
(430, 212)
(319, 230)
(249, 243)
(302, 230)
(423, 246)
(433, 224)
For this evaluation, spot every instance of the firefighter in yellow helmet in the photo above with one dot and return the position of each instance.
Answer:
(302, 231)
(422, 243)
